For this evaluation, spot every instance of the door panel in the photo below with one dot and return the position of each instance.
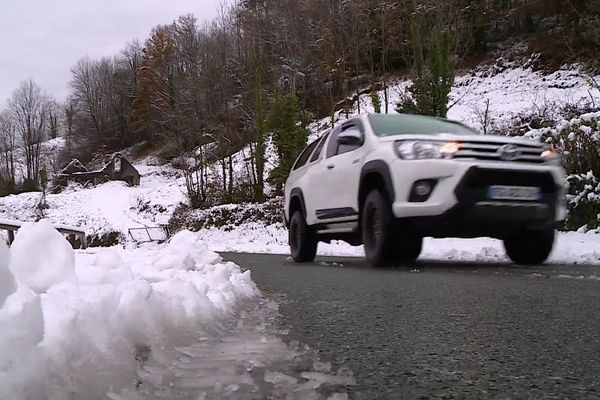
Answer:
(338, 178)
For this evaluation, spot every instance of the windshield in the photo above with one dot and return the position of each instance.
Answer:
(404, 124)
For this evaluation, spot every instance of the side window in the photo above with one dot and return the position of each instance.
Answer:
(303, 158)
(319, 148)
(335, 148)
(346, 148)
(333, 143)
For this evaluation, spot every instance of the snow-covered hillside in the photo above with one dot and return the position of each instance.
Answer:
(506, 89)
(149, 321)
(511, 89)
(110, 207)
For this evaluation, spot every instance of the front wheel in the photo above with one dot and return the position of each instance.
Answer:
(530, 247)
(302, 239)
(409, 247)
(377, 229)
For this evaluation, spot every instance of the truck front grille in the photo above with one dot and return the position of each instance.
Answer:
(497, 151)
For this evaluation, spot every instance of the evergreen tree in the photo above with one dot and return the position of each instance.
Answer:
(287, 124)
(433, 67)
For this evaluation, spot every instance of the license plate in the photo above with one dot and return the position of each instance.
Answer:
(524, 193)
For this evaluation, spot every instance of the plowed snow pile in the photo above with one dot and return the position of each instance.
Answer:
(84, 324)
(155, 322)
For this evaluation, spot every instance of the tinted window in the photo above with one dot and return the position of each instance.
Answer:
(303, 158)
(319, 148)
(404, 124)
(335, 148)
(345, 148)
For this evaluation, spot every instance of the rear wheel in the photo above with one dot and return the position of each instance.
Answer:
(377, 229)
(530, 247)
(302, 239)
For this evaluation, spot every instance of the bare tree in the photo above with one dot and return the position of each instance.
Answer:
(29, 108)
(7, 148)
(54, 119)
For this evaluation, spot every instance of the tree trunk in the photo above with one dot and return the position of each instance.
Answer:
(230, 189)
(260, 140)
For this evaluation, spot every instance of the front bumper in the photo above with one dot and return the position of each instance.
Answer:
(458, 205)
(492, 219)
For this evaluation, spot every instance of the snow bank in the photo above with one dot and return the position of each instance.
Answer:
(85, 325)
(21, 360)
(7, 280)
(41, 257)
(570, 247)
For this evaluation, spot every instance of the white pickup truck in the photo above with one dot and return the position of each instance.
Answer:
(388, 180)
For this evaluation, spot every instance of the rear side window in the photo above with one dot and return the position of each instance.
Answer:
(303, 158)
(319, 148)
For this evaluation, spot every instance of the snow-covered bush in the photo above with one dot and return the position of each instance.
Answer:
(578, 142)
(228, 216)
(584, 201)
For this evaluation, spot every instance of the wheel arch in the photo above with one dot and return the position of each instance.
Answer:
(375, 175)
(297, 203)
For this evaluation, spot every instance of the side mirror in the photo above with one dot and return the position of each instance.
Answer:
(351, 137)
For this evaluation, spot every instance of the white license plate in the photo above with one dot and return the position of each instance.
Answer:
(524, 193)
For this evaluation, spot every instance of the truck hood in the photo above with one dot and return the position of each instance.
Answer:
(462, 138)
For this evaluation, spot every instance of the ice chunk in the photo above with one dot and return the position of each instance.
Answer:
(41, 257)
(7, 280)
(107, 267)
(186, 251)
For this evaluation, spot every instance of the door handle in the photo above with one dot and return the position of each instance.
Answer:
(330, 166)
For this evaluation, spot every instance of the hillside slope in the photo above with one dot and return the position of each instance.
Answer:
(513, 91)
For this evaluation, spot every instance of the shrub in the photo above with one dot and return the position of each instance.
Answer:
(578, 142)
(29, 185)
(226, 216)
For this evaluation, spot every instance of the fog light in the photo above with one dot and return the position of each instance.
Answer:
(422, 189)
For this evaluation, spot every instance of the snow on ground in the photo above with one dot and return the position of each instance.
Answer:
(112, 206)
(570, 248)
(511, 91)
(159, 321)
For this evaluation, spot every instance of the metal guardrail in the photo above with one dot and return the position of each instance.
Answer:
(149, 234)
(72, 233)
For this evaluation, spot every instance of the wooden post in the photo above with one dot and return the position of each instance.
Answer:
(71, 239)
(11, 237)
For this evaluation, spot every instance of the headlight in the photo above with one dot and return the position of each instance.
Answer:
(551, 156)
(424, 150)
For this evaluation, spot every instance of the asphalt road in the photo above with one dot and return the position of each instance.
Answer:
(438, 330)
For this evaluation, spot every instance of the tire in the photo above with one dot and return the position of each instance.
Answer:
(377, 228)
(302, 239)
(530, 247)
(408, 248)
